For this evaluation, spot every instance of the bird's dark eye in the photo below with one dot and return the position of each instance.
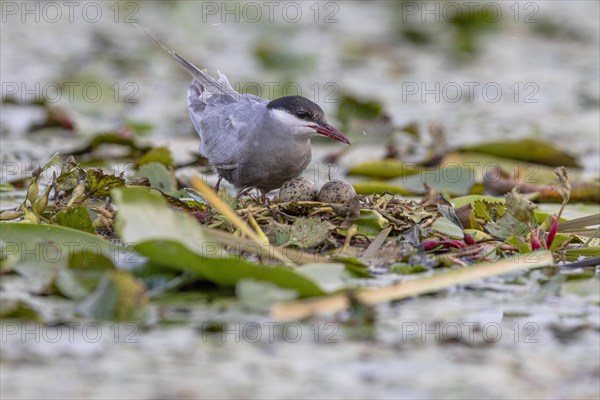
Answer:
(301, 114)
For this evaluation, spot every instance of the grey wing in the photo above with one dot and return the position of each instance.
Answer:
(213, 93)
(204, 93)
(196, 105)
(227, 131)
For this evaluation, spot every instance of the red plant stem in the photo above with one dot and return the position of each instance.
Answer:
(554, 227)
(432, 244)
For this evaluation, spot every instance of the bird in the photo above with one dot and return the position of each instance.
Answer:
(252, 142)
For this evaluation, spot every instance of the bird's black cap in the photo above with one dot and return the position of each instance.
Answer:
(301, 107)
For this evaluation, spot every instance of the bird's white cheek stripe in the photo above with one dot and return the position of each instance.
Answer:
(287, 118)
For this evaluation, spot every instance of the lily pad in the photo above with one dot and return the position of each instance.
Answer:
(19, 310)
(528, 149)
(160, 155)
(456, 180)
(384, 169)
(369, 187)
(331, 277)
(118, 296)
(62, 241)
(61, 260)
(175, 240)
(158, 175)
(259, 295)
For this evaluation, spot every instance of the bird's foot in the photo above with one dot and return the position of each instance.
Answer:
(218, 184)
(243, 192)
(265, 199)
(261, 196)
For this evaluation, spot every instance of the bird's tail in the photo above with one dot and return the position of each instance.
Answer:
(221, 86)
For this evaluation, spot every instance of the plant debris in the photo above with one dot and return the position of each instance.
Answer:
(172, 234)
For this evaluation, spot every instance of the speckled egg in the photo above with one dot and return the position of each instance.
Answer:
(337, 191)
(298, 189)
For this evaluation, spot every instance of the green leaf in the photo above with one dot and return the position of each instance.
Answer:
(384, 169)
(6, 187)
(448, 228)
(449, 213)
(70, 175)
(559, 240)
(112, 138)
(529, 149)
(574, 254)
(476, 234)
(406, 269)
(176, 240)
(68, 285)
(350, 107)
(88, 267)
(355, 266)
(453, 179)
(369, 223)
(143, 216)
(57, 259)
(520, 244)
(56, 244)
(520, 207)
(18, 310)
(277, 56)
(588, 289)
(140, 127)
(369, 187)
(331, 277)
(507, 226)
(278, 234)
(309, 232)
(100, 184)
(415, 215)
(47, 276)
(54, 160)
(223, 269)
(480, 165)
(488, 211)
(160, 155)
(490, 208)
(39, 274)
(231, 201)
(259, 295)
(76, 218)
(159, 176)
(472, 199)
(118, 296)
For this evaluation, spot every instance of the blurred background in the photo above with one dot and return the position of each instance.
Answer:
(383, 71)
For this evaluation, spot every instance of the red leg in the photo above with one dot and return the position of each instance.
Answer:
(218, 184)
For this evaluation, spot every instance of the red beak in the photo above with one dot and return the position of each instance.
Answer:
(330, 131)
